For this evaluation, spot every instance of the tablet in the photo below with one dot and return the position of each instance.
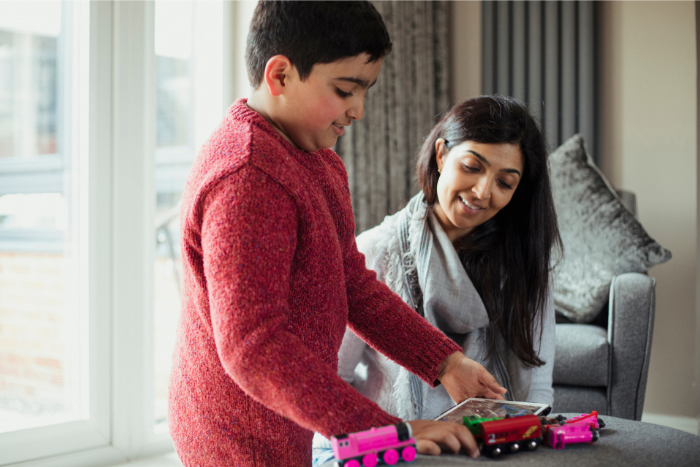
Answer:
(491, 408)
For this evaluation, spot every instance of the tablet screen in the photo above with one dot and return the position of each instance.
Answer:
(491, 408)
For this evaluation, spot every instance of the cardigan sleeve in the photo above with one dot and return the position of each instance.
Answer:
(248, 236)
(541, 390)
(350, 355)
(380, 318)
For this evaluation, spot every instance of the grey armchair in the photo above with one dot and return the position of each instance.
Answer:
(604, 365)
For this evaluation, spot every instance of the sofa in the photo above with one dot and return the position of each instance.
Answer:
(603, 365)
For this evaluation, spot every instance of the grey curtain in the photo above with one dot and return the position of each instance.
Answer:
(544, 53)
(380, 150)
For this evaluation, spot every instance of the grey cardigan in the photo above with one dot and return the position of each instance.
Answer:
(411, 247)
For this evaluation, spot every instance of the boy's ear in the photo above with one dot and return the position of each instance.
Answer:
(277, 73)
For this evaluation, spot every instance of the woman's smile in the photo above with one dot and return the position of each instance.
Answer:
(470, 208)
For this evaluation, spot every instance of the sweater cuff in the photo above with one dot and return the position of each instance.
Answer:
(439, 355)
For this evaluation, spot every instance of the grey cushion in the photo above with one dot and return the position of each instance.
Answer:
(580, 400)
(581, 355)
(601, 237)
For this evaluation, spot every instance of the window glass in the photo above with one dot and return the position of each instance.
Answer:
(173, 157)
(40, 367)
(29, 41)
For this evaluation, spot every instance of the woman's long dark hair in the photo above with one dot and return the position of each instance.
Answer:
(508, 257)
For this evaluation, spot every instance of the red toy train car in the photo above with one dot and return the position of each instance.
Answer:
(510, 434)
(506, 434)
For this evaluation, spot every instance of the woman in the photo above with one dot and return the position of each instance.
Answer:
(471, 253)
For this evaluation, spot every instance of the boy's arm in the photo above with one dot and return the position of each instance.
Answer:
(387, 324)
(248, 236)
(379, 317)
(390, 326)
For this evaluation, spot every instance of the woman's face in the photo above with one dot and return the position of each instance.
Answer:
(476, 181)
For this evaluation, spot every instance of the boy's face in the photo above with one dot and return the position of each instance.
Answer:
(317, 110)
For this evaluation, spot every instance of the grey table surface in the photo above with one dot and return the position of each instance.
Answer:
(621, 443)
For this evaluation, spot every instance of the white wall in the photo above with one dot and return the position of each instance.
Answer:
(648, 144)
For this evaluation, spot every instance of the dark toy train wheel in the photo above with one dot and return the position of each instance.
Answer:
(494, 451)
(369, 460)
(532, 445)
(391, 457)
(408, 453)
(514, 447)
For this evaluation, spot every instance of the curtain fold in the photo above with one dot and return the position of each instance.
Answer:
(380, 150)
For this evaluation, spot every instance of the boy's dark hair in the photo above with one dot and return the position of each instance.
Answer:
(308, 33)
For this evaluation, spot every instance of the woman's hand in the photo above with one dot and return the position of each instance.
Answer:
(432, 436)
(464, 378)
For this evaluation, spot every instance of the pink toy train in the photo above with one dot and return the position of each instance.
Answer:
(588, 419)
(367, 448)
(581, 429)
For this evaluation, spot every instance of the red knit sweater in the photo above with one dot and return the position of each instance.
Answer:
(271, 278)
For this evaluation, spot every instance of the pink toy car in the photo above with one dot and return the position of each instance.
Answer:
(559, 436)
(367, 448)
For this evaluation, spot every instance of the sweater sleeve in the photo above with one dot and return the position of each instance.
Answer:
(380, 318)
(352, 349)
(249, 234)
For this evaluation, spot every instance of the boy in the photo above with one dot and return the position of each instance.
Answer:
(271, 272)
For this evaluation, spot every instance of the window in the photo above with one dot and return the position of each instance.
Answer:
(173, 156)
(189, 78)
(102, 108)
(50, 390)
(42, 222)
(34, 61)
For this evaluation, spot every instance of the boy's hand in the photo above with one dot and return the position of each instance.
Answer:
(464, 378)
(430, 436)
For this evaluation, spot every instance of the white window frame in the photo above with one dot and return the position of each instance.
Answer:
(115, 128)
(91, 195)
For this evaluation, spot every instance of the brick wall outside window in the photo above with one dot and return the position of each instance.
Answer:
(33, 355)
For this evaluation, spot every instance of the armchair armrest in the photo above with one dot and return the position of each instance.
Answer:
(630, 328)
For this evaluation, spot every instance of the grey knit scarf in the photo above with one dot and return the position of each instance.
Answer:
(439, 288)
